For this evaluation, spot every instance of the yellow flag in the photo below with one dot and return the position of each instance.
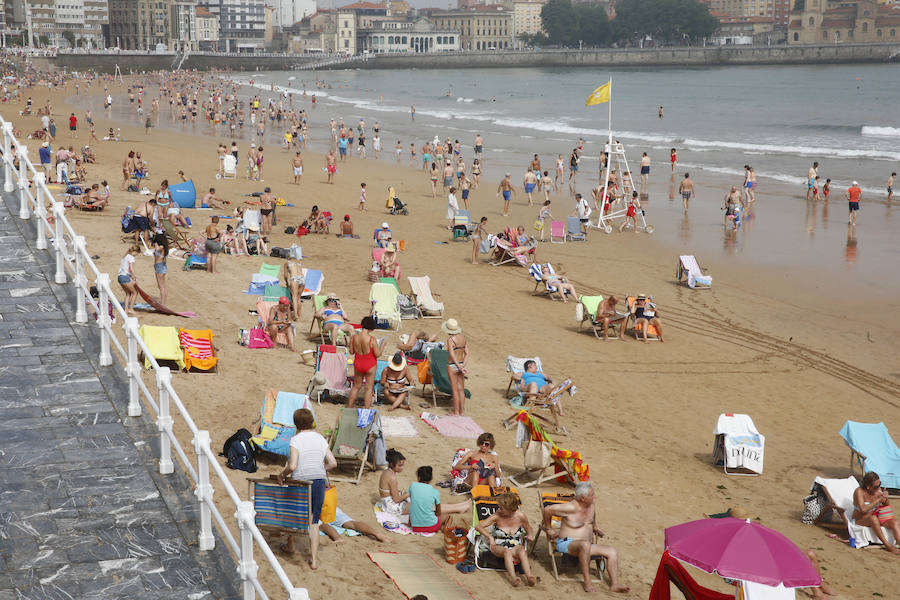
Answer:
(599, 96)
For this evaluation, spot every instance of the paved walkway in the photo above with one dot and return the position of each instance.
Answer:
(83, 513)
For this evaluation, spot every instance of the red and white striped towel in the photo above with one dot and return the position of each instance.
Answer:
(196, 347)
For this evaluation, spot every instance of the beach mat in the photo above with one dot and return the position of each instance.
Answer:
(418, 574)
(455, 427)
(158, 307)
(398, 427)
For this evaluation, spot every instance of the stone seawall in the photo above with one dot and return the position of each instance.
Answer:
(106, 63)
(651, 57)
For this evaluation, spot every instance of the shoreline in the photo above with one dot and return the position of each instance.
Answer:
(761, 341)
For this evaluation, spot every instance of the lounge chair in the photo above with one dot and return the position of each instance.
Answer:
(163, 343)
(872, 449)
(332, 361)
(176, 237)
(573, 230)
(557, 232)
(568, 465)
(264, 308)
(506, 251)
(516, 366)
(546, 499)
(385, 309)
(350, 443)
(276, 421)
(421, 291)
(438, 360)
(318, 303)
(199, 352)
(252, 218)
(589, 305)
(229, 167)
(485, 504)
(840, 498)
(313, 280)
(671, 570)
(535, 270)
(738, 445)
(689, 269)
(280, 508)
(652, 331)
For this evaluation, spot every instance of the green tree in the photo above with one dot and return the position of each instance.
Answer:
(44, 40)
(663, 20)
(69, 37)
(82, 42)
(570, 25)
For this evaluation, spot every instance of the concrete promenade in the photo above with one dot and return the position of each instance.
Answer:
(83, 512)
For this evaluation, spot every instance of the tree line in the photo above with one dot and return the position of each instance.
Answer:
(664, 21)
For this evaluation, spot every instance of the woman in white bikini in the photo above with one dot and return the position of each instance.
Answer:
(393, 500)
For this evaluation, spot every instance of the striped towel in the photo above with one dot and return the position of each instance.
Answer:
(194, 346)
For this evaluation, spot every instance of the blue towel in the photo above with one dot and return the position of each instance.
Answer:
(313, 279)
(364, 416)
(285, 405)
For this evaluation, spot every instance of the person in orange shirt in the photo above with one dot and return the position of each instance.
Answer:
(854, 195)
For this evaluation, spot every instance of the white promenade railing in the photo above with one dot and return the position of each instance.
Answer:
(73, 259)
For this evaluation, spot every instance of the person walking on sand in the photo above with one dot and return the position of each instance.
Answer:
(458, 348)
(560, 172)
(686, 189)
(464, 185)
(810, 179)
(528, 182)
(297, 166)
(479, 146)
(574, 159)
(452, 207)
(213, 244)
(854, 195)
(645, 171)
(331, 165)
(890, 186)
(448, 175)
(479, 234)
(362, 197)
(507, 190)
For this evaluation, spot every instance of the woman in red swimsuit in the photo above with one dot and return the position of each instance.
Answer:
(365, 350)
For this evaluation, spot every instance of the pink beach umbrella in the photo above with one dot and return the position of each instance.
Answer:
(739, 549)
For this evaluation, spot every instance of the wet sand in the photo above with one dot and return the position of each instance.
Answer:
(797, 349)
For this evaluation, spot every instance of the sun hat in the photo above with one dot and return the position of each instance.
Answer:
(390, 247)
(642, 296)
(283, 300)
(451, 326)
(855, 183)
(385, 225)
(397, 362)
(332, 296)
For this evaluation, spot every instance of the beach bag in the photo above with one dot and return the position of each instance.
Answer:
(133, 188)
(813, 505)
(259, 339)
(329, 505)
(537, 455)
(301, 231)
(408, 308)
(456, 544)
(276, 252)
(538, 225)
(238, 452)
(424, 371)
(290, 230)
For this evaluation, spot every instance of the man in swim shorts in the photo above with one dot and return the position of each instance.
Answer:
(479, 146)
(529, 181)
(448, 175)
(331, 165)
(576, 534)
(686, 189)
(297, 165)
(854, 195)
(507, 190)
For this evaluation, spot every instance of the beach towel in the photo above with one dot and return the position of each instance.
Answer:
(272, 271)
(312, 282)
(419, 574)
(158, 306)
(259, 282)
(273, 292)
(874, 442)
(163, 344)
(395, 523)
(399, 427)
(455, 427)
(198, 349)
(364, 416)
(744, 445)
(285, 405)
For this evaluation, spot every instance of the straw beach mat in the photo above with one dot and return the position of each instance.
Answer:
(419, 574)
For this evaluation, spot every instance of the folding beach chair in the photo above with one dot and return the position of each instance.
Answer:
(652, 331)
(440, 381)
(557, 232)
(270, 270)
(671, 570)
(385, 309)
(421, 291)
(264, 308)
(462, 225)
(313, 280)
(546, 499)
(280, 508)
(332, 362)
(872, 449)
(516, 366)
(535, 271)
(176, 237)
(350, 443)
(573, 230)
(318, 303)
(199, 352)
(689, 269)
(229, 167)
(276, 421)
(485, 504)
(506, 251)
(163, 344)
(839, 493)
(540, 453)
(460, 475)
(738, 445)
(586, 312)
(252, 218)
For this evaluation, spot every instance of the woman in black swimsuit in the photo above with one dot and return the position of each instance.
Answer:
(213, 244)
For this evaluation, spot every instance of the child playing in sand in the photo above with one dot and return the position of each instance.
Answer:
(826, 189)
(362, 196)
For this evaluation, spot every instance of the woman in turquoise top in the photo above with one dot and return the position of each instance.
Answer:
(425, 508)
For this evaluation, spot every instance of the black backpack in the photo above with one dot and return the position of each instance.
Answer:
(238, 451)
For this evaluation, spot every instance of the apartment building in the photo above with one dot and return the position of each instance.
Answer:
(61, 23)
(140, 24)
(206, 26)
(480, 27)
(242, 23)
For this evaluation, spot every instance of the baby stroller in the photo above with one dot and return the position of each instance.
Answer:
(398, 208)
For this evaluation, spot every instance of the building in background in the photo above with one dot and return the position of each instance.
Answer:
(392, 36)
(864, 21)
(140, 24)
(480, 27)
(526, 18)
(777, 10)
(183, 30)
(289, 12)
(59, 23)
(206, 26)
(242, 23)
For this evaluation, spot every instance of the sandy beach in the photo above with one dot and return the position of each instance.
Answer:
(799, 351)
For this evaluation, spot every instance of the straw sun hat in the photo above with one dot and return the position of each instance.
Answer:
(451, 326)
(397, 362)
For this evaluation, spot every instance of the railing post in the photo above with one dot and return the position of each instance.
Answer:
(40, 211)
(247, 567)
(204, 491)
(132, 367)
(24, 213)
(104, 319)
(59, 242)
(164, 421)
(8, 185)
(80, 280)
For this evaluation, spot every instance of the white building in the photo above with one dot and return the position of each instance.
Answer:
(242, 23)
(83, 18)
(289, 12)
(419, 36)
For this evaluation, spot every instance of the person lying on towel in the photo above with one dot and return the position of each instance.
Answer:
(344, 521)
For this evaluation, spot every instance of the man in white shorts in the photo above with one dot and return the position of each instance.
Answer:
(297, 163)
